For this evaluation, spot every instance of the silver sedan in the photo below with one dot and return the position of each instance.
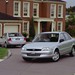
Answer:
(12, 39)
(49, 45)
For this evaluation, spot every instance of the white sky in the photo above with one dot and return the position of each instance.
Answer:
(70, 3)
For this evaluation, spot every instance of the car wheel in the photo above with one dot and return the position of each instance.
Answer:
(72, 52)
(5, 45)
(56, 56)
(27, 59)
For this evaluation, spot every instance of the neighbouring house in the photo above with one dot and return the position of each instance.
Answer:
(48, 15)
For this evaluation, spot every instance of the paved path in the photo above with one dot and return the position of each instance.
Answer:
(15, 65)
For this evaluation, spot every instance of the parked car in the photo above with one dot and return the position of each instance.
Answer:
(12, 39)
(49, 45)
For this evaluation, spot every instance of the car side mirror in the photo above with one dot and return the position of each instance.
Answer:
(61, 40)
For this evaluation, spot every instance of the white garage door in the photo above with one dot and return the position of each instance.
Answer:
(8, 28)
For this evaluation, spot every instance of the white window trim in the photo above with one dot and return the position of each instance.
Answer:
(54, 11)
(37, 10)
(61, 11)
(28, 13)
(61, 25)
(27, 26)
(19, 12)
(1, 29)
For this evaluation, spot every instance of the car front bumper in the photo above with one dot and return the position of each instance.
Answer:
(39, 54)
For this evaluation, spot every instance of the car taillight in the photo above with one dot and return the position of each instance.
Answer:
(9, 39)
(25, 39)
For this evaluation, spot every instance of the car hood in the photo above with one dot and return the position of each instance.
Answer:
(40, 45)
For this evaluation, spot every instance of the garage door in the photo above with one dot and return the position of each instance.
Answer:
(8, 28)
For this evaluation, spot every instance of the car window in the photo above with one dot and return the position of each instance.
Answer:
(14, 35)
(62, 36)
(46, 37)
(67, 36)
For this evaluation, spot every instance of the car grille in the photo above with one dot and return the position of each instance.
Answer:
(33, 49)
(36, 54)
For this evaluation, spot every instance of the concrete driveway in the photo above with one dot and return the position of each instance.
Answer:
(15, 65)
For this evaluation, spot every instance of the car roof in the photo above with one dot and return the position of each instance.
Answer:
(52, 32)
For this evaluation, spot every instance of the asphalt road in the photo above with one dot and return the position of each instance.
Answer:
(15, 65)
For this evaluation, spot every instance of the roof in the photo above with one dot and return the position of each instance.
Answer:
(51, 0)
(4, 16)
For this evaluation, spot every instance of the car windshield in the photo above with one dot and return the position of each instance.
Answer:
(14, 35)
(47, 37)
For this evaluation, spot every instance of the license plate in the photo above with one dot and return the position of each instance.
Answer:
(17, 38)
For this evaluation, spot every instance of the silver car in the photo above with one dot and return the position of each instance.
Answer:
(49, 45)
(12, 39)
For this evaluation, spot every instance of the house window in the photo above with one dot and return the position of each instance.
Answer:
(26, 9)
(59, 26)
(26, 27)
(17, 9)
(0, 30)
(53, 11)
(36, 10)
(60, 11)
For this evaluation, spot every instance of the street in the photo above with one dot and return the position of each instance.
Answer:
(15, 65)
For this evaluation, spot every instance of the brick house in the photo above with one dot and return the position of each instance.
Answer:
(48, 15)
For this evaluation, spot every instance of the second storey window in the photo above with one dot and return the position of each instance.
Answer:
(17, 9)
(60, 11)
(26, 9)
(53, 11)
(36, 10)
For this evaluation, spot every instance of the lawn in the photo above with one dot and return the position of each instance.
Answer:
(3, 52)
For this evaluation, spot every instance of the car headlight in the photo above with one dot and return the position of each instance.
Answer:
(47, 49)
(23, 49)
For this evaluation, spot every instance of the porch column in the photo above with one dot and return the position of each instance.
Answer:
(53, 26)
(38, 27)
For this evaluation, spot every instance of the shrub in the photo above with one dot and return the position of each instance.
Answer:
(24, 34)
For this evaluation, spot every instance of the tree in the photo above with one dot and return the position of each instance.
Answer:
(70, 24)
(31, 29)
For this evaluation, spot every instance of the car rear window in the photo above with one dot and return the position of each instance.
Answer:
(14, 35)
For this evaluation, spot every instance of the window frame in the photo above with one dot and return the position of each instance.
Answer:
(28, 9)
(37, 13)
(18, 12)
(27, 30)
(53, 10)
(61, 24)
(60, 12)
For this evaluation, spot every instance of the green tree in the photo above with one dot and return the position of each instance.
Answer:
(70, 23)
(31, 29)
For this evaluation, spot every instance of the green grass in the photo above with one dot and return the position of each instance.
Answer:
(3, 52)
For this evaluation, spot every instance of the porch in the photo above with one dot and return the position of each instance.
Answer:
(44, 24)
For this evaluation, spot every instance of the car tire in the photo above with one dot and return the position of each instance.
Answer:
(56, 56)
(5, 45)
(72, 52)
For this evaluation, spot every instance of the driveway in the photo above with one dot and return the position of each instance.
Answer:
(15, 65)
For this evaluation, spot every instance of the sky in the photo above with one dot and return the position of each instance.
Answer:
(69, 3)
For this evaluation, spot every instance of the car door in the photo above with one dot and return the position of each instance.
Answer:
(64, 46)
(3, 39)
(0, 40)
